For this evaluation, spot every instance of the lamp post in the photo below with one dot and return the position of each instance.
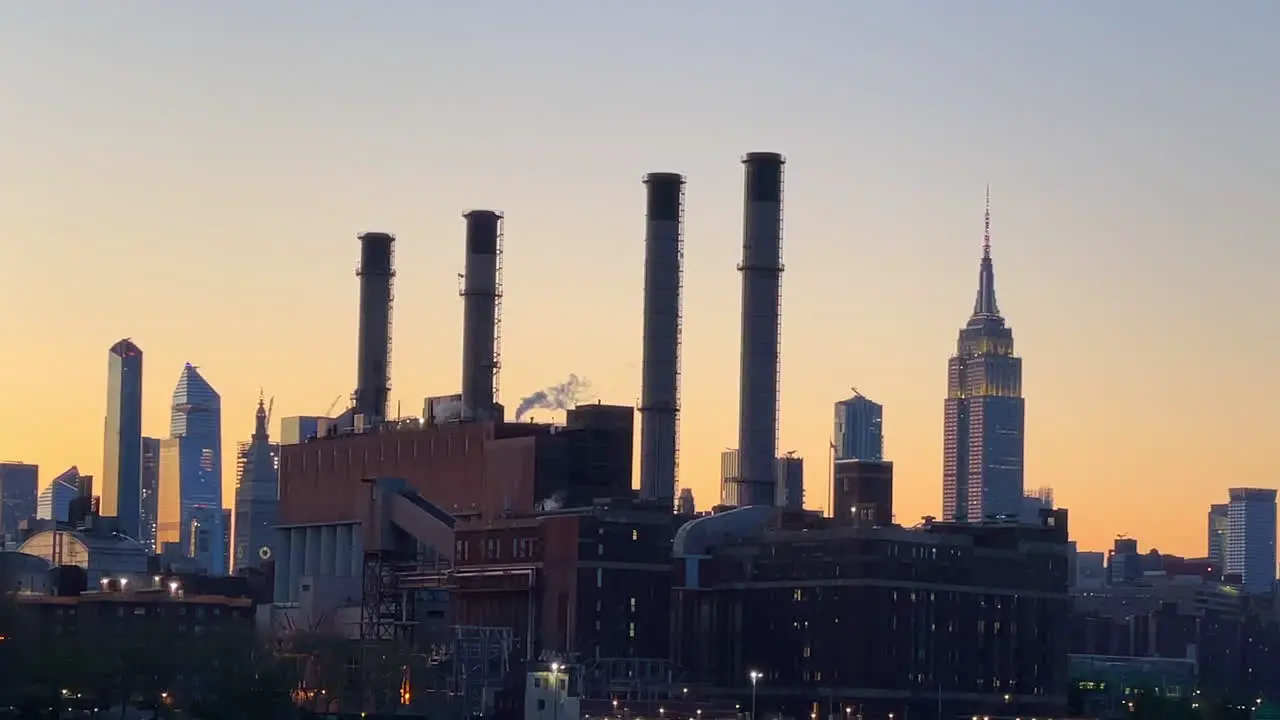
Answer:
(555, 684)
(755, 678)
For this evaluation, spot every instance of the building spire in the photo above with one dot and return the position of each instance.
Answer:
(260, 426)
(985, 304)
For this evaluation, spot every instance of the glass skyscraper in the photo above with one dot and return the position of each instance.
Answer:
(984, 411)
(859, 429)
(150, 490)
(1251, 537)
(121, 488)
(189, 507)
(19, 483)
(54, 502)
(257, 493)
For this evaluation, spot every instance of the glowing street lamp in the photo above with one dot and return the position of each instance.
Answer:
(755, 676)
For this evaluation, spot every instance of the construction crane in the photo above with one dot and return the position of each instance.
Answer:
(332, 405)
(271, 405)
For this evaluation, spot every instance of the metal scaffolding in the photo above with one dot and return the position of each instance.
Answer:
(481, 660)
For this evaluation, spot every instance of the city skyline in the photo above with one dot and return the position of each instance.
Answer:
(1107, 250)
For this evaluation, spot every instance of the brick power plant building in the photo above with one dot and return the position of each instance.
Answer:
(498, 548)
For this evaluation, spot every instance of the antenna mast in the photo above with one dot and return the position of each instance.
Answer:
(986, 227)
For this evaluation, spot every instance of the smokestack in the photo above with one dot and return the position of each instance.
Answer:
(660, 384)
(481, 292)
(373, 360)
(761, 329)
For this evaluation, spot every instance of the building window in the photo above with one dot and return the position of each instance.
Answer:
(635, 534)
(633, 605)
(631, 630)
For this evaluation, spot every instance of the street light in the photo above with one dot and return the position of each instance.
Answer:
(755, 678)
(555, 683)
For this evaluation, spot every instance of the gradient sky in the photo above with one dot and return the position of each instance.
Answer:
(193, 175)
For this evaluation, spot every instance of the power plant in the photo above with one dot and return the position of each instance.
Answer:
(660, 384)
(373, 350)
(761, 270)
(482, 293)
(490, 501)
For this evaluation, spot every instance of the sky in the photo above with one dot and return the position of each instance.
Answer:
(193, 176)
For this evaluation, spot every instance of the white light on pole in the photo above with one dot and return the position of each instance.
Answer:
(755, 676)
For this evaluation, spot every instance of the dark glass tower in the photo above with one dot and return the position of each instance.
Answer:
(985, 412)
(122, 452)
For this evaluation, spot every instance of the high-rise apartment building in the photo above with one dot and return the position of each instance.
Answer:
(1251, 537)
(150, 489)
(121, 486)
(790, 491)
(1216, 549)
(189, 504)
(859, 429)
(788, 479)
(685, 504)
(257, 496)
(18, 490)
(984, 411)
(54, 502)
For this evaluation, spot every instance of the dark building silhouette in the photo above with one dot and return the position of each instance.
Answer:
(984, 411)
(257, 497)
(948, 620)
(863, 492)
(18, 496)
(150, 492)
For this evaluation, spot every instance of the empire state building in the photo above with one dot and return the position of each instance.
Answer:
(985, 411)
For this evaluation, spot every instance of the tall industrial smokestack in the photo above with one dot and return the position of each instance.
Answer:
(660, 386)
(373, 371)
(761, 329)
(481, 293)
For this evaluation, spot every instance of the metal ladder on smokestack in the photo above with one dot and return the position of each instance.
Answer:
(675, 420)
(391, 303)
(777, 365)
(497, 310)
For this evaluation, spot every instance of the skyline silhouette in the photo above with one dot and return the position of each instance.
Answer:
(194, 178)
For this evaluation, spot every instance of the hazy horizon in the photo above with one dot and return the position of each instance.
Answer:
(193, 176)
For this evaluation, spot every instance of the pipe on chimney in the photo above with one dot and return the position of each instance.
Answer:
(480, 293)
(373, 359)
(660, 376)
(761, 270)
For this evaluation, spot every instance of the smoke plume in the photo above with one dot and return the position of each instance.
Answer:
(557, 397)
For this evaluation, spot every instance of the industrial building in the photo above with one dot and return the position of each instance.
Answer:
(939, 621)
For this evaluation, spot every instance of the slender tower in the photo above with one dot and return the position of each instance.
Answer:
(761, 269)
(660, 384)
(122, 454)
(984, 415)
(480, 293)
(373, 361)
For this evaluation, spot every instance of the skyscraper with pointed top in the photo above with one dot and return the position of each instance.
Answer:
(257, 495)
(982, 471)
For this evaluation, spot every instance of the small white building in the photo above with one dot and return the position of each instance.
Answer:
(546, 696)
